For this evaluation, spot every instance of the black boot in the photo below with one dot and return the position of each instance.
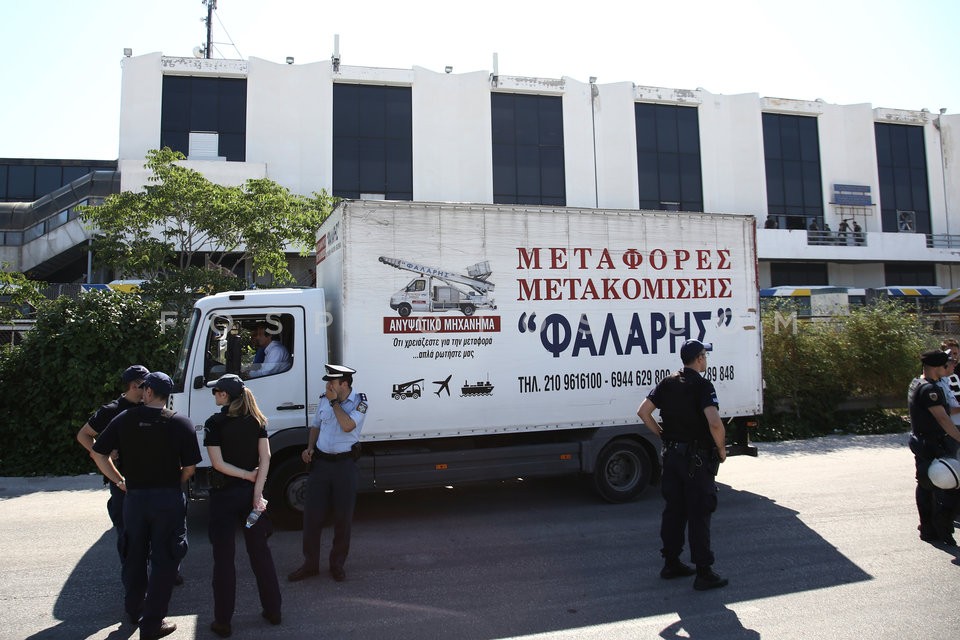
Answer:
(707, 579)
(673, 568)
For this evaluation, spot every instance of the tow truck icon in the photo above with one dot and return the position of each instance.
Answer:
(404, 390)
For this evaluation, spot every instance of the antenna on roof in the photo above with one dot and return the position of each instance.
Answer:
(211, 7)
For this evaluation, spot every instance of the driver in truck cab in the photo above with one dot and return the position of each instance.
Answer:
(276, 357)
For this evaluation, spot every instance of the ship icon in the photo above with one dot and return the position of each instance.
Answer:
(481, 388)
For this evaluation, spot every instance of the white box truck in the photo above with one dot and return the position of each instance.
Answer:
(591, 309)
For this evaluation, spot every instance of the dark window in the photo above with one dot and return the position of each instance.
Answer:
(791, 149)
(48, 178)
(798, 274)
(73, 173)
(668, 157)
(27, 180)
(20, 183)
(910, 274)
(372, 141)
(902, 165)
(215, 105)
(528, 160)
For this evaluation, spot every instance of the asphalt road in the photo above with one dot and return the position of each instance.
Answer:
(818, 539)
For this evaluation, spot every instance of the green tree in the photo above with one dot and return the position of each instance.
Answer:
(67, 366)
(188, 236)
(17, 294)
(811, 367)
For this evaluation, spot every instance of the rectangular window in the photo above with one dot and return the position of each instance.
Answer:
(20, 183)
(902, 166)
(528, 156)
(791, 148)
(209, 105)
(372, 141)
(798, 274)
(909, 274)
(668, 157)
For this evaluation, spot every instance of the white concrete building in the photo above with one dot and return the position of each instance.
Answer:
(478, 137)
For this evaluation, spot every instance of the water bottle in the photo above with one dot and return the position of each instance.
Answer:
(256, 513)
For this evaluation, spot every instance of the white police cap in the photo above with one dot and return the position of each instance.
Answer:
(337, 371)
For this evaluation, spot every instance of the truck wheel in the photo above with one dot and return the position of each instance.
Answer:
(404, 310)
(416, 394)
(622, 471)
(468, 309)
(288, 492)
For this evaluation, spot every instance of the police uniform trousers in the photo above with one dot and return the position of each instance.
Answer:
(691, 500)
(155, 531)
(115, 511)
(229, 508)
(935, 506)
(332, 485)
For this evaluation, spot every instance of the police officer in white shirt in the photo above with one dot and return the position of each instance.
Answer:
(333, 447)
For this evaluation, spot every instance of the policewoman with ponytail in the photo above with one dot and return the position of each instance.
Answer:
(236, 440)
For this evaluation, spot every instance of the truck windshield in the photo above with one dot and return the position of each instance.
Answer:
(184, 358)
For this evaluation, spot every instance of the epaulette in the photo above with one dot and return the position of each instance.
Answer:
(362, 405)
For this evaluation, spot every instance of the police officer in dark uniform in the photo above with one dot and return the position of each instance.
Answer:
(333, 447)
(236, 439)
(694, 444)
(932, 435)
(95, 424)
(160, 453)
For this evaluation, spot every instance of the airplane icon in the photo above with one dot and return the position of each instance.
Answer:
(444, 385)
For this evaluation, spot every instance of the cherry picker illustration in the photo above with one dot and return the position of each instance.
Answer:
(435, 289)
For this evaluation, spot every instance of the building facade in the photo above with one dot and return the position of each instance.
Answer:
(846, 195)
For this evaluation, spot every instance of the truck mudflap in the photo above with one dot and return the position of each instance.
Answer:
(738, 436)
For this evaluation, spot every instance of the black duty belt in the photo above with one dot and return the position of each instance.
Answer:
(333, 457)
(684, 447)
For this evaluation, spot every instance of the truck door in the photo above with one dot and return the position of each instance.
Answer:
(418, 295)
(265, 347)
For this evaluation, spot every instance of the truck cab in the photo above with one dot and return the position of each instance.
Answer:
(217, 342)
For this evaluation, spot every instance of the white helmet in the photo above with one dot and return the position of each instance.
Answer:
(944, 473)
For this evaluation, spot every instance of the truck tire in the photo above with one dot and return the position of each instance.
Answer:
(468, 309)
(622, 471)
(404, 310)
(288, 492)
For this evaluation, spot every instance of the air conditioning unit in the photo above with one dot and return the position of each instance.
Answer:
(907, 221)
(204, 146)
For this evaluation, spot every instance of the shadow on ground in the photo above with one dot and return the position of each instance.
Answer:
(491, 561)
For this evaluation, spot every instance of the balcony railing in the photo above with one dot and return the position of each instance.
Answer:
(837, 238)
(942, 241)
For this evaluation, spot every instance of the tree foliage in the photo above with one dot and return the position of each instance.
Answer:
(67, 366)
(18, 294)
(181, 221)
(188, 237)
(810, 367)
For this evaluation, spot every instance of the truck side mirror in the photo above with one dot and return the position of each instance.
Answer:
(198, 382)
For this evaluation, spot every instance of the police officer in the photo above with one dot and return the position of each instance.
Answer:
(694, 444)
(96, 423)
(160, 453)
(236, 439)
(932, 435)
(333, 447)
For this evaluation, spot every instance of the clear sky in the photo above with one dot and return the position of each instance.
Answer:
(60, 74)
